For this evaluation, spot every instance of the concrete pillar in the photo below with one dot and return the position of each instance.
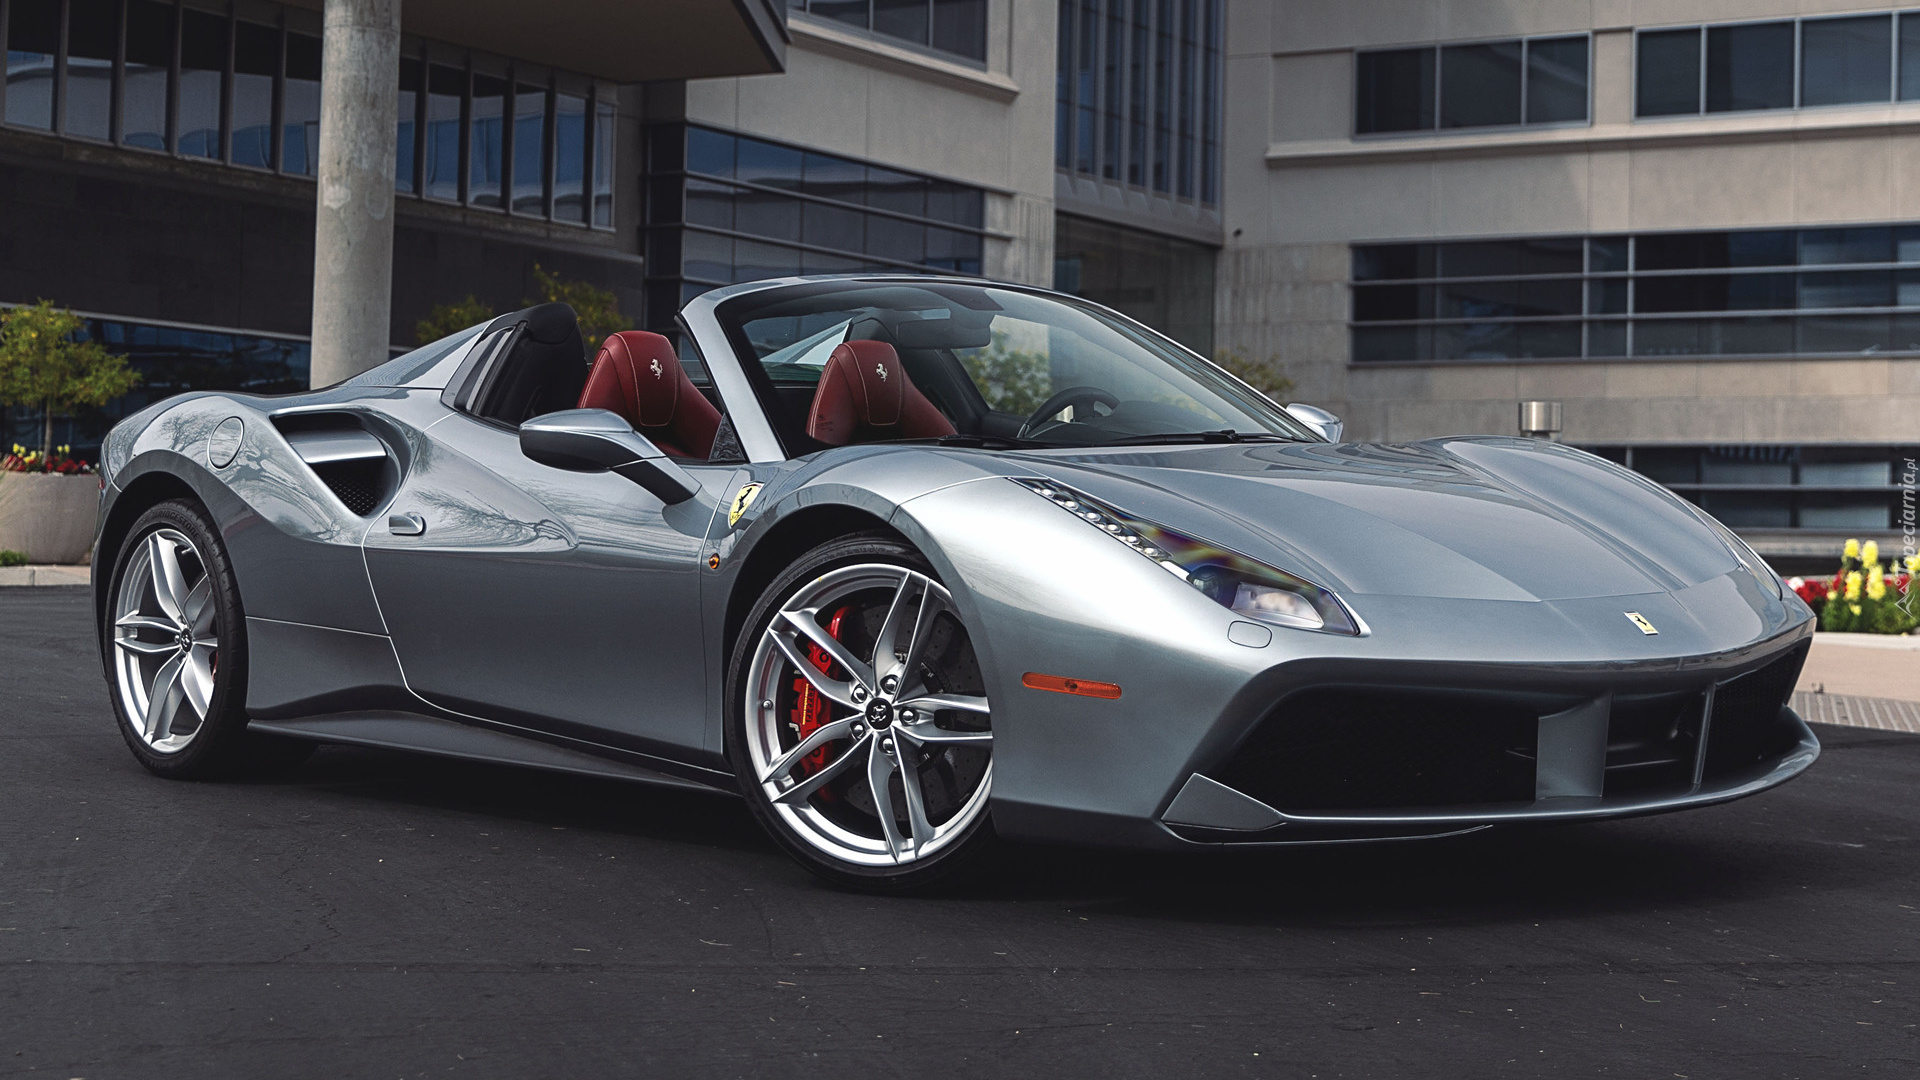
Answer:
(353, 237)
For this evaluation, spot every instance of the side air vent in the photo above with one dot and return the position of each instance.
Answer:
(355, 464)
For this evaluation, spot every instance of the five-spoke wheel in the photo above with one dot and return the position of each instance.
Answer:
(866, 736)
(176, 647)
(166, 640)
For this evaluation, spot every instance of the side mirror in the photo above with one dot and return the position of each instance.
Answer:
(596, 440)
(1328, 425)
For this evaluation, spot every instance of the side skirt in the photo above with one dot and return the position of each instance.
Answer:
(470, 742)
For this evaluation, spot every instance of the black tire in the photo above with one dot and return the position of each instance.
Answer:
(966, 856)
(220, 747)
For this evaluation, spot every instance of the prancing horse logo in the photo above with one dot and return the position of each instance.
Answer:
(880, 370)
(1640, 621)
(654, 366)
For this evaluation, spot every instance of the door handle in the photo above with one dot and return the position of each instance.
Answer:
(406, 524)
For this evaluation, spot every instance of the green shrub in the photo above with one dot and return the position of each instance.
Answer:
(9, 557)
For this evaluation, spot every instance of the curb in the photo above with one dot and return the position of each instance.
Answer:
(46, 575)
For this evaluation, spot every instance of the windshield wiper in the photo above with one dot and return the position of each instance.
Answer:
(1225, 435)
(988, 442)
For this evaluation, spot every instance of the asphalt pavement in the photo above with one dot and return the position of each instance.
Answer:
(379, 915)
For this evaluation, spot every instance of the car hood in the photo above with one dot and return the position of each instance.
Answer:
(1472, 518)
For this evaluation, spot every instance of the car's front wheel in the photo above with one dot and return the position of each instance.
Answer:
(859, 723)
(177, 651)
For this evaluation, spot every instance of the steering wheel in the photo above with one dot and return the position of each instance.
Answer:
(1072, 395)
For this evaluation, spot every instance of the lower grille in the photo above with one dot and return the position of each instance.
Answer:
(1351, 749)
(1346, 748)
(1746, 728)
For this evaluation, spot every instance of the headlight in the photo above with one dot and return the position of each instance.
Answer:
(1243, 585)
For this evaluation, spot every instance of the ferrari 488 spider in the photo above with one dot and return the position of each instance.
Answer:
(912, 563)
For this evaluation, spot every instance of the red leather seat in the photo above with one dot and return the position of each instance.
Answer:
(864, 394)
(637, 375)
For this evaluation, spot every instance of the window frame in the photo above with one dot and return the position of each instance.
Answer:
(1438, 49)
(285, 21)
(1898, 17)
(1431, 275)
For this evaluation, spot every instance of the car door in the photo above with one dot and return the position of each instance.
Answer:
(562, 601)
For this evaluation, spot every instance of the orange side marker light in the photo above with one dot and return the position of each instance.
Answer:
(1060, 684)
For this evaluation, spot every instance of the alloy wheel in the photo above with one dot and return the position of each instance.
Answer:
(869, 731)
(166, 641)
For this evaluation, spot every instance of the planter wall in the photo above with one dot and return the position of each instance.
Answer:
(48, 516)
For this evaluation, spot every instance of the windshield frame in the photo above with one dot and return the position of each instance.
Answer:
(718, 314)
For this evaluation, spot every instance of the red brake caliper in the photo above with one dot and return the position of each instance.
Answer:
(810, 710)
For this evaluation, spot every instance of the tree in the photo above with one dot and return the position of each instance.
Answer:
(445, 319)
(47, 361)
(1263, 375)
(597, 309)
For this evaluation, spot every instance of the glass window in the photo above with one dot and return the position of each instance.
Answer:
(445, 85)
(300, 107)
(1163, 97)
(1846, 60)
(203, 62)
(899, 192)
(710, 152)
(960, 26)
(1480, 85)
(853, 12)
(1395, 91)
(93, 29)
(603, 166)
(1556, 80)
(143, 89)
(406, 169)
(486, 167)
(33, 37)
(1909, 57)
(764, 213)
(529, 149)
(1163, 282)
(1858, 245)
(833, 178)
(570, 157)
(905, 19)
(1750, 67)
(1668, 80)
(1137, 79)
(256, 61)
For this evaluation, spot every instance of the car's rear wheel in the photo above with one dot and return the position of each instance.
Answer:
(176, 645)
(859, 723)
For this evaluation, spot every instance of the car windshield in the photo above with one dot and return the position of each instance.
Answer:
(1003, 367)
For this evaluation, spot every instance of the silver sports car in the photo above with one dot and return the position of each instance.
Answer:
(912, 564)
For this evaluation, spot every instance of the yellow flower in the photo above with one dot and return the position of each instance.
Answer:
(1852, 550)
(1870, 551)
(1913, 564)
(1855, 608)
(1877, 588)
(1853, 585)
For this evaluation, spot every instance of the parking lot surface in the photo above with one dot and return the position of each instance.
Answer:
(381, 915)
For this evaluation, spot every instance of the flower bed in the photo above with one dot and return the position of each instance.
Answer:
(1864, 596)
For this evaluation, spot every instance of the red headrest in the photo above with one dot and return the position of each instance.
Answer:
(864, 393)
(637, 375)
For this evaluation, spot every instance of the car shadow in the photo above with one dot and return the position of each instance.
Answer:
(1694, 859)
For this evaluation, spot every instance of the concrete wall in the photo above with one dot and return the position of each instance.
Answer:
(1300, 189)
(847, 93)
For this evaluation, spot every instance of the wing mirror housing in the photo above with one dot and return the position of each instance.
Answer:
(1328, 425)
(597, 440)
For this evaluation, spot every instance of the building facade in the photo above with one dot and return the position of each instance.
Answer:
(1694, 224)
